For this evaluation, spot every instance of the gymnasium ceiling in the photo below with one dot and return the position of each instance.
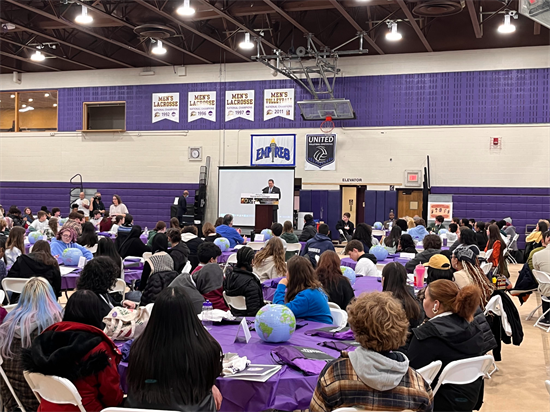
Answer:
(213, 34)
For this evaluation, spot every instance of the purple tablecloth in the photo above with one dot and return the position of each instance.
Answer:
(70, 280)
(287, 390)
(225, 255)
(351, 263)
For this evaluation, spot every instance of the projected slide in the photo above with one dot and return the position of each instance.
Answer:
(234, 181)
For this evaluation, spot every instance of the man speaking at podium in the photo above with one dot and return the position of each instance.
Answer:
(271, 188)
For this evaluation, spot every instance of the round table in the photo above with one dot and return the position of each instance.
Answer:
(70, 280)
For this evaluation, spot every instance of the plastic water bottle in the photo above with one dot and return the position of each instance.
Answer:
(206, 314)
(145, 231)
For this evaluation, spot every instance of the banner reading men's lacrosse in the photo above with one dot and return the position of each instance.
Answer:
(320, 152)
(273, 150)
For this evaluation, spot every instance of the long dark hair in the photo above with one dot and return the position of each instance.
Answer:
(393, 238)
(84, 306)
(406, 241)
(160, 243)
(88, 238)
(363, 232)
(467, 236)
(394, 278)
(43, 252)
(328, 269)
(185, 361)
(543, 227)
(494, 236)
(301, 276)
(106, 247)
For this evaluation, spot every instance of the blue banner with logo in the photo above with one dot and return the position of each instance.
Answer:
(320, 152)
(273, 150)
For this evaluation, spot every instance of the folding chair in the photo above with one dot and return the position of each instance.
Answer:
(346, 410)
(92, 249)
(256, 245)
(333, 305)
(544, 290)
(547, 383)
(236, 302)
(9, 308)
(231, 260)
(54, 389)
(339, 317)
(8, 384)
(120, 287)
(14, 285)
(486, 267)
(147, 255)
(2, 296)
(465, 371)
(429, 372)
(294, 247)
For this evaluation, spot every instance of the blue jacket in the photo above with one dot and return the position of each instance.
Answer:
(58, 247)
(309, 304)
(316, 246)
(230, 234)
(418, 233)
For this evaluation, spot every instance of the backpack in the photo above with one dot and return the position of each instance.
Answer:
(123, 323)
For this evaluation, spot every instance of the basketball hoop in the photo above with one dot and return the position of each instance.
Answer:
(327, 126)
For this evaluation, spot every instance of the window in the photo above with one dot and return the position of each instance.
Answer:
(104, 116)
(7, 112)
(29, 111)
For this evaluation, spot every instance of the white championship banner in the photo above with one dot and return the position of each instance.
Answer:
(239, 103)
(201, 105)
(278, 103)
(166, 106)
(273, 150)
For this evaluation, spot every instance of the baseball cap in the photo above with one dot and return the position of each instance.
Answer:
(438, 262)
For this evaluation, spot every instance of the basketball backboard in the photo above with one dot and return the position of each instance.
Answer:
(538, 10)
(338, 109)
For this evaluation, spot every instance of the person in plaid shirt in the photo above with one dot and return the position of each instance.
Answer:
(373, 377)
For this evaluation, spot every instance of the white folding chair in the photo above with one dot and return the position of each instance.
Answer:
(488, 254)
(9, 308)
(377, 232)
(147, 255)
(544, 289)
(429, 372)
(120, 286)
(14, 285)
(339, 317)
(346, 410)
(465, 371)
(547, 383)
(236, 302)
(8, 384)
(256, 245)
(294, 247)
(54, 389)
(2, 296)
(486, 267)
(333, 305)
(231, 260)
(92, 249)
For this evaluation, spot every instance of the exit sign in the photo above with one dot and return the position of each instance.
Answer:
(413, 178)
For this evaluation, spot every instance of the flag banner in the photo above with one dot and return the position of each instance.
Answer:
(320, 152)
(202, 105)
(273, 150)
(239, 103)
(166, 106)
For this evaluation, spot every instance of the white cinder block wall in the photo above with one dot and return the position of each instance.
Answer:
(460, 156)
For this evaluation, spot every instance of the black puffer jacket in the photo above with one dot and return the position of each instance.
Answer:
(240, 282)
(156, 283)
(308, 232)
(28, 266)
(420, 258)
(179, 255)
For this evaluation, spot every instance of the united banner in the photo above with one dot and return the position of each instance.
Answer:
(239, 103)
(202, 105)
(320, 152)
(166, 106)
(273, 150)
(278, 103)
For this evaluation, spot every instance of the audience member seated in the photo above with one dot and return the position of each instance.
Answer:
(132, 245)
(481, 235)
(437, 225)
(16, 218)
(39, 262)
(159, 228)
(37, 310)
(218, 222)
(534, 239)
(119, 221)
(206, 281)
(117, 208)
(100, 276)
(74, 208)
(438, 267)
(78, 350)
(190, 237)
(402, 223)
(74, 222)
(241, 281)
(406, 244)
(41, 223)
(56, 212)
(335, 284)
(365, 266)
(465, 223)
(289, 237)
(209, 232)
(4, 231)
(452, 334)
(175, 223)
(88, 238)
(15, 245)
(541, 261)
(28, 216)
(3, 270)
(419, 232)
(432, 246)
(501, 224)
(391, 242)
(277, 231)
(468, 272)
(126, 226)
(390, 223)
(53, 227)
(269, 263)
(174, 348)
(66, 239)
(497, 256)
(376, 376)
(305, 296)
(162, 260)
(309, 230)
(106, 247)
(179, 252)
(345, 227)
(96, 218)
(510, 232)
(161, 274)
(451, 234)
(363, 233)
(320, 243)
(227, 231)
(466, 237)
(106, 224)
(410, 222)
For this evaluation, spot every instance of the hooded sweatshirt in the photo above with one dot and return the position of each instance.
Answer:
(316, 246)
(26, 266)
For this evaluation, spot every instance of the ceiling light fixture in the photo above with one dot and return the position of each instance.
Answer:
(55, 105)
(393, 35)
(13, 96)
(26, 109)
(246, 44)
(158, 49)
(84, 18)
(37, 56)
(23, 105)
(185, 9)
(31, 99)
(46, 95)
(508, 27)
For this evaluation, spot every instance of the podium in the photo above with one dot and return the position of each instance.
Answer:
(264, 203)
(263, 218)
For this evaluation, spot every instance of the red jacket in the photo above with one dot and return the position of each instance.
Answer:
(494, 258)
(84, 355)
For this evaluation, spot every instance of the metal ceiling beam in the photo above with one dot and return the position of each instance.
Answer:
(536, 29)
(88, 32)
(292, 21)
(356, 25)
(191, 29)
(473, 17)
(131, 26)
(55, 39)
(413, 23)
(13, 69)
(237, 23)
(47, 53)
(13, 56)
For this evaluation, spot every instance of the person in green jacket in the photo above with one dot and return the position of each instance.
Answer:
(159, 228)
(288, 236)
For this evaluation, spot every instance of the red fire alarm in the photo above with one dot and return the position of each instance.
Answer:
(495, 143)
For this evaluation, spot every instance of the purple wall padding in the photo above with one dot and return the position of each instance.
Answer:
(326, 205)
(461, 98)
(146, 202)
(524, 205)
(378, 205)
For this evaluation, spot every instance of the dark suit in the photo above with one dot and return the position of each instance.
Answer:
(274, 190)
(182, 208)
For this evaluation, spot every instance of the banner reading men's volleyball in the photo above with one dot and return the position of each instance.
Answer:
(278, 103)
(166, 106)
(202, 105)
(273, 150)
(239, 103)
(320, 152)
